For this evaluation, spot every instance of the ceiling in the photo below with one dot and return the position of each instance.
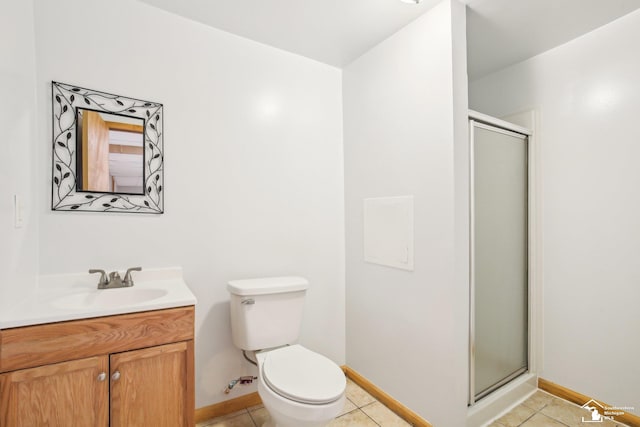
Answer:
(499, 32)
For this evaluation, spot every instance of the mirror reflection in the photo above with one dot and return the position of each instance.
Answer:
(110, 153)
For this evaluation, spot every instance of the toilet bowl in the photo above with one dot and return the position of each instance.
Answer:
(299, 388)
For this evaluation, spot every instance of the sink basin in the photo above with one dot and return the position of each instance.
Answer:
(67, 297)
(107, 298)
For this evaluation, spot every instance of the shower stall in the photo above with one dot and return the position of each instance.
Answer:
(499, 254)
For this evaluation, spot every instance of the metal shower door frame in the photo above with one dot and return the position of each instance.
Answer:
(478, 120)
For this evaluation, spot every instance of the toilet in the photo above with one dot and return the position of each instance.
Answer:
(298, 387)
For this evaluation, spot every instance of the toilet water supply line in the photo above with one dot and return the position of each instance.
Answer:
(242, 380)
(248, 379)
(253, 362)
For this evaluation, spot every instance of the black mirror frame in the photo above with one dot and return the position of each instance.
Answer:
(65, 100)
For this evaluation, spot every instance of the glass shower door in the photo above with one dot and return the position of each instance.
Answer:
(499, 258)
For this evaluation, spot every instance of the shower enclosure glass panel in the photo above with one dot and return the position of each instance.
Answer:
(499, 258)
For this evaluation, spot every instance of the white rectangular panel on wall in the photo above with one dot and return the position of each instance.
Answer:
(388, 231)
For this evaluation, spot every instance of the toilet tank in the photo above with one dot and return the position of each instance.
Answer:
(267, 312)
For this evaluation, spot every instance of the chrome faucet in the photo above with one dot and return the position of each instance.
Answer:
(114, 280)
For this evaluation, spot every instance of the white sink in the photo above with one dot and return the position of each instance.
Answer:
(64, 297)
(108, 298)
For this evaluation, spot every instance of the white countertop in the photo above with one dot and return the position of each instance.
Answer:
(65, 297)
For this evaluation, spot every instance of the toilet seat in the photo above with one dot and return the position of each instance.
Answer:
(301, 375)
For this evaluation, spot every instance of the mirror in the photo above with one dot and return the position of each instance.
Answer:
(110, 155)
(107, 152)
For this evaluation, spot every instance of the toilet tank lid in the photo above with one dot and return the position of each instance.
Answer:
(267, 285)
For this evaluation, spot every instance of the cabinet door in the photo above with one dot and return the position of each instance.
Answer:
(65, 394)
(153, 387)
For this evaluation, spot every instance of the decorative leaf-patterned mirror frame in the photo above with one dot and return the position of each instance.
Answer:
(65, 196)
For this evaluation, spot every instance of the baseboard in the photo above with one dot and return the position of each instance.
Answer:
(580, 399)
(227, 407)
(402, 411)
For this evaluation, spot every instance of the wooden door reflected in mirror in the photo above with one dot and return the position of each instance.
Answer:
(110, 153)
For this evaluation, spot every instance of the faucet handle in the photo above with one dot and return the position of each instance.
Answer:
(103, 276)
(128, 279)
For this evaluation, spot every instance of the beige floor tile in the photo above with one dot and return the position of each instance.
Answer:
(239, 420)
(348, 407)
(538, 400)
(224, 417)
(357, 395)
(260, 415)
(516, 416)
(495, 424)
(383, 415)
(539, 420)
(570, 414)
(355, 418)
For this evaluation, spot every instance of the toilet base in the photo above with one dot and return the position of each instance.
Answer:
(287, 413)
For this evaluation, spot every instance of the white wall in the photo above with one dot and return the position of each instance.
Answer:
(587, 93)
(18, 246)
(404, 107)
(254, 170)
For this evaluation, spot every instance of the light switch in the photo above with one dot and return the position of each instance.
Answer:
(17, 212)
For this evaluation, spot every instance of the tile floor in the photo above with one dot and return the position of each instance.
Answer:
(545, 410)
(362, 410)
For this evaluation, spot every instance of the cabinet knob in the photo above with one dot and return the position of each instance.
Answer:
(102, 376)
(115, 376)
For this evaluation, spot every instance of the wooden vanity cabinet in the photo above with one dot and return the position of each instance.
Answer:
(132, 370)
(63, 394)
(150, 389)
